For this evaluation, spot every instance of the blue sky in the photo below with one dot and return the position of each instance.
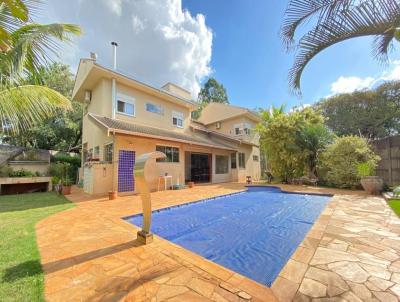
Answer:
(236, 41)
(248, 57)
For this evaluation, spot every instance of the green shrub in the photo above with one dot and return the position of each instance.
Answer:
(65, 158)
(64, 165)
(339, 162)
(366, 169)
(21, 173)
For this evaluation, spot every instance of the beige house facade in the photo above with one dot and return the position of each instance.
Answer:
(125, 118)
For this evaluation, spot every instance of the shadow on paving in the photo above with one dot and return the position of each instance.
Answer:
(67, 262)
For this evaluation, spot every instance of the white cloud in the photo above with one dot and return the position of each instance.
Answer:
(158, 41)
(352, 83)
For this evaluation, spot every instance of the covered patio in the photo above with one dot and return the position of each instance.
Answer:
(89, 253)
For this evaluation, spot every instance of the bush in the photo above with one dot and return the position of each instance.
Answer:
(21, 173)
(65, 166)
(64, 158)
(339, 162)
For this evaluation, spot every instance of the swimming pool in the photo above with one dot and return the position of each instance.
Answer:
(253, 233)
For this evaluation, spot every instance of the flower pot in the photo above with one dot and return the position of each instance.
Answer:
(191, 184)
(372, 184)
(66, 190)
(112, 195)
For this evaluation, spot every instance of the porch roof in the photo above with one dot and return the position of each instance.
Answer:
(193, 138)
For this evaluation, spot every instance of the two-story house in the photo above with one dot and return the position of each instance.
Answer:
(125, 118)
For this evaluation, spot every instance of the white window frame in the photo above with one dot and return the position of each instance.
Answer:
(179, 116)
(126, 99)
(156, 105)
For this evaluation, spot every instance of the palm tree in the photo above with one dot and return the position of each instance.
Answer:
(25, 47)
(337, 21)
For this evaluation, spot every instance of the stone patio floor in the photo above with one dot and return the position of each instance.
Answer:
(89, 253)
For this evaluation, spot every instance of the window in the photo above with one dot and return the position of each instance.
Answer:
(242, 163)
(237, 130)
(221, 164)
(125, 105)
(177, 119)
(255, 157)
(233, 160)
(90, 154)
(247, 128)
(96, 153)
(158, 109)
(108, 152)
(172, 154)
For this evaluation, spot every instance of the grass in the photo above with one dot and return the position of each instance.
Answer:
(395, 205)
(21, 275)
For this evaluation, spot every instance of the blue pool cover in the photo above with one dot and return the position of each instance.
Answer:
(253, 233)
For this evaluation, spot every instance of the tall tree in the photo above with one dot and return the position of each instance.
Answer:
(370, 113)
(25, 47)
(212, 91)
(336, 21)
(279, 139)
(64, 130)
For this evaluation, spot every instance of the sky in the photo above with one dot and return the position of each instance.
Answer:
(235, 41)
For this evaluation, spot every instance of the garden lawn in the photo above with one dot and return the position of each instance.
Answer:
(21, 276)
(395, 205)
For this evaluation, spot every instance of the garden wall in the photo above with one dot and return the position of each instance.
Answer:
(389, 166)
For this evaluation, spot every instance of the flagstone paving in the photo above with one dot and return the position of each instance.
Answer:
(89, 253)
(355, 248)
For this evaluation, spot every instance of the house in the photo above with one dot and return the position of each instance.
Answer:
(125, 118)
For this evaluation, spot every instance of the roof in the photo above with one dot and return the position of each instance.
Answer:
(90, 72)
(195, 138)
(216, 112)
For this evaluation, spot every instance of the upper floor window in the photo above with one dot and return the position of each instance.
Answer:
(244, 128)
(125, 105)
(177, 119)
(150, 107)
(255, 157)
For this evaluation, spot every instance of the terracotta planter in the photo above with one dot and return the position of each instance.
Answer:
(191, 184)
(66, 190)
(372, 184)
(112, 195)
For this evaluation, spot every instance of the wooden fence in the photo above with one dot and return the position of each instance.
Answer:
(389, 166)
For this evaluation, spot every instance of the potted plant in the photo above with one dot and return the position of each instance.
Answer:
(66, 186)
(369, 181)
(112, 195)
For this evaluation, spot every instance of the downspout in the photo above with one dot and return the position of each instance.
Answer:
(113, 81)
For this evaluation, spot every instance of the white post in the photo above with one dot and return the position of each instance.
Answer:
(113, 84)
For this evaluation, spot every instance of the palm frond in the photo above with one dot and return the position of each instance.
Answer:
(301, 11)
(33, 45)
(370, 18)
(13, 14)
(23, 106)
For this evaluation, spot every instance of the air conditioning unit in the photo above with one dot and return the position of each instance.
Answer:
(218, 125)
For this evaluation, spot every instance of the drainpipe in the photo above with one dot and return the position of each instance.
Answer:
(113, 83)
